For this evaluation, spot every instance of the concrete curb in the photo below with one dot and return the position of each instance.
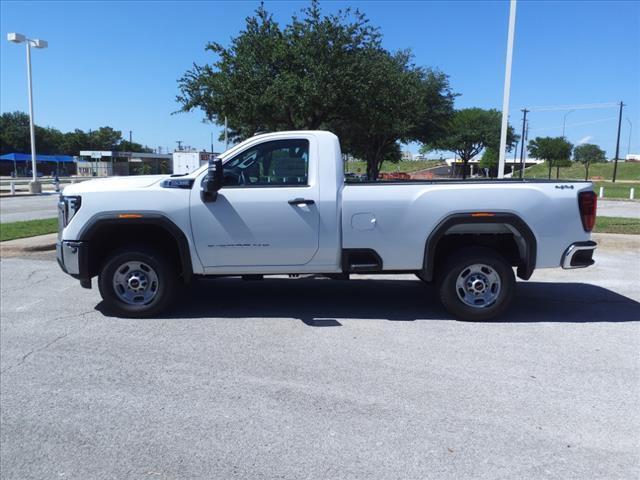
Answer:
(40, 243)
(617, 241)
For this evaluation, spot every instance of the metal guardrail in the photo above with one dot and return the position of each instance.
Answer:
(44, 180)
(15, 185)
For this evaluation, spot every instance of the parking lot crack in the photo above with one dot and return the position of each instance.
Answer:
(50, 343)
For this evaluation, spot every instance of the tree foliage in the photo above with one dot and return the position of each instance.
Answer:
(556, 151)
(472, 130)
(319, 71)
(489, 160)
(588, 153)
(15, 138)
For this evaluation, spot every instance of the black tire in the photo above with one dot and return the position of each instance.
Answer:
(166, 285)
(456, 265)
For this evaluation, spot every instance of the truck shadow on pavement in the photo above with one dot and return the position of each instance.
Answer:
(323, 302)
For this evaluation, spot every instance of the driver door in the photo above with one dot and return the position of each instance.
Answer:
(266, 214)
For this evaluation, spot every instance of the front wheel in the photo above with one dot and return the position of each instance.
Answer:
(137, 282)
(476, 284)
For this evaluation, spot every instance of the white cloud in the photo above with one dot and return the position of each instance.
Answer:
(586, 139)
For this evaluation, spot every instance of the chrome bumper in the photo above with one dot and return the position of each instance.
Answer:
(68, 256)
(578, 255)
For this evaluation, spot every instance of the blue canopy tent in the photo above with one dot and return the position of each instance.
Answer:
(26, 157)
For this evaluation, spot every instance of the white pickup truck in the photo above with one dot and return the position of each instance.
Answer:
(277, 203)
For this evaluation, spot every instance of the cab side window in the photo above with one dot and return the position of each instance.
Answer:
(275, 163)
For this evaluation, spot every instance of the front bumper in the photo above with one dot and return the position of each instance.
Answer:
(578, 255)
(72, 258)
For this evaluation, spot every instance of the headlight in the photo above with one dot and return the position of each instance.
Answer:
(67, 208)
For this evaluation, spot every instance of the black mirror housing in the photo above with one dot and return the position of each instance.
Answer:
(213, 181)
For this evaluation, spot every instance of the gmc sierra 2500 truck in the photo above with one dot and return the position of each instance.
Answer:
(277, 203)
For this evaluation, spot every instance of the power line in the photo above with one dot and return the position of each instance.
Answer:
(608, 119)
(584, 106)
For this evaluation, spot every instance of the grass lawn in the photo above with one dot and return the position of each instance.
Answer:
(30, 228)
(617, 225)
(618, 189)
(404, 166)
(626, 171)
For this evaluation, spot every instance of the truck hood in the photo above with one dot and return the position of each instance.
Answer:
(113, 184)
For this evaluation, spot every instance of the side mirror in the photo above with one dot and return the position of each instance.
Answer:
(213, 181)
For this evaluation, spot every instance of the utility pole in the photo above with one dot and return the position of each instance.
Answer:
(615, 165)
(523, 141)
(211, 142)
(130, 138)
(179, 142)
(507, 89)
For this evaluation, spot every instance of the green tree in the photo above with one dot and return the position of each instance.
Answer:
(399, 103)
(14, 137)
(472, 130)
(75, 141)
(490, 160)
(319, 71)
(587, 153)
(126, 146)
(105, 138)
(556, 151)
(14, 132)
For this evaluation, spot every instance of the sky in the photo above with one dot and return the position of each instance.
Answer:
(117, 63)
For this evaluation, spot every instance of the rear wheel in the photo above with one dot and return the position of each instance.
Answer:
(476, 284)
(137, 282)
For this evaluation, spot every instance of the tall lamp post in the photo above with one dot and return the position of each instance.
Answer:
(507, 89)
(34, 185)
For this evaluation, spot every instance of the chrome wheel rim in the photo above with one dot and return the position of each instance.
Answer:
(135, 283)
(478, 285)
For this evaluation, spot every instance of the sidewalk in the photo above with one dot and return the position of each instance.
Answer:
(25, 246)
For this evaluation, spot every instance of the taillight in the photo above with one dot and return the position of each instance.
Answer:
(588, 201)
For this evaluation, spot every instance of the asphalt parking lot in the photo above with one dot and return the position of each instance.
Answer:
(320, 379)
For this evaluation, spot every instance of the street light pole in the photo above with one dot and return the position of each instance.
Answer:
(34, 185)
(507, 89)
(564, 122)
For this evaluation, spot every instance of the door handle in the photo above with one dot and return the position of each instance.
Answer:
(301, 201)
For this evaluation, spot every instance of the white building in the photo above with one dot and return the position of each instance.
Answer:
(187, 162)
(105, 163)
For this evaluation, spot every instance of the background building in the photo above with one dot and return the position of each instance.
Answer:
(98, 163)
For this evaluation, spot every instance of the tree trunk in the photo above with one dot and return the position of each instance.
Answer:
(550, 166)
(557, 171)
(586, 177)
(373, 170)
